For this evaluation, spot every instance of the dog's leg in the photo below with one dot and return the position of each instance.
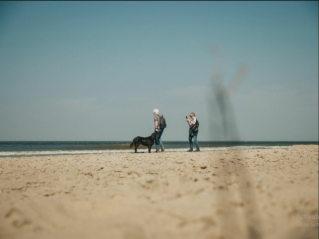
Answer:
(136, 146)
(149, 148)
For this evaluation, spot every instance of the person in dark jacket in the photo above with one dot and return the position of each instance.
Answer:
(193, 132)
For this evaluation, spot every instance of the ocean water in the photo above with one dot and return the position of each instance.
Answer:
(41, 148)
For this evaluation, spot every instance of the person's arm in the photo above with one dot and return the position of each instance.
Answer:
(191, 122)
(156, 119)
(188, 122)
(194, 121)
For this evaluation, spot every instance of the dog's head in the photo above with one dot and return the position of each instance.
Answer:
(154, 135)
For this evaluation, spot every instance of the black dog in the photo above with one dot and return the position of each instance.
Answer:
(146, 141)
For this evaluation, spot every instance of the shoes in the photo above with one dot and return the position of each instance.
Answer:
(190, 150)
(163, 149)
(157, 151)
(197, 150)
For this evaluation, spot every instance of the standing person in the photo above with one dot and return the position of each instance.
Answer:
(158, 129)
(193, 131)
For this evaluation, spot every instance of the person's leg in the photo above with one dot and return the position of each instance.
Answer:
(190, 143)
(195, 140)
(157, 143)
(161, 145)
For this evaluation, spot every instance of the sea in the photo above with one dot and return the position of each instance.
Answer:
(52, 148)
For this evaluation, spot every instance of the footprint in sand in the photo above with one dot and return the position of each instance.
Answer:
(16, 218)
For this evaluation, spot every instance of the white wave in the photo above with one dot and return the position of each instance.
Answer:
(74, 152)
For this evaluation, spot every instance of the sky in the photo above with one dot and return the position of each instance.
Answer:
(96, 70)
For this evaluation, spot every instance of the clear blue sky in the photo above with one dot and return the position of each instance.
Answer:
(96, 70)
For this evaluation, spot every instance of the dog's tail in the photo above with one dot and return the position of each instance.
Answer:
(131, 145)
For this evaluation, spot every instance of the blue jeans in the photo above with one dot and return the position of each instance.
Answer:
(195, 141)
(158, 141)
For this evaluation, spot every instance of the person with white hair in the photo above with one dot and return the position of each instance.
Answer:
(159, 125)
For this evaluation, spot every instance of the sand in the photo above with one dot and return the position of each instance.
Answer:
(265, 193)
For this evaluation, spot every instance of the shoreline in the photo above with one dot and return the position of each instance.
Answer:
(142, 149)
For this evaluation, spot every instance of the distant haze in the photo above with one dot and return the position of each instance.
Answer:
(96, 70)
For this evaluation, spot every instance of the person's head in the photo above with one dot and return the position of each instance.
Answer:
(155, 112)
(192, 115)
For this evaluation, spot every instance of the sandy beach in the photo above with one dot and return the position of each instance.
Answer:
(259, 193)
